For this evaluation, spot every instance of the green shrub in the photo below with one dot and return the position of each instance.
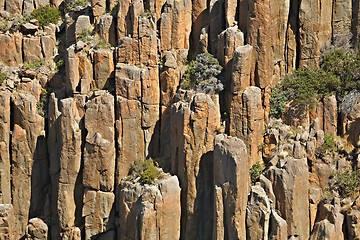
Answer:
(34, 65)
(302, 89)
(346, 66)
(46, 15)
(147, 14)
(277, 102)
(60, 64)
(201, 74)
(255, 171)
(328, 147)
(41, 104)
(146, 170)
(347, 183)
(77, 5)
(85, 35)
(3, 77)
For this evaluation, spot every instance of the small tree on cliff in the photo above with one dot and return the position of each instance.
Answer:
(202, 74)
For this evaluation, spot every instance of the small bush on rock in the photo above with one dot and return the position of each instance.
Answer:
(145, 170)
(347, 183)
(3, 77)
(201, 74)
(302, 89)
(329, 146)
(255, 171)
(46, 15)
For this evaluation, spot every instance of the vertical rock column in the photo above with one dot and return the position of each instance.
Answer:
(193, 125)
(69, 197)
(231, 173)
(291, 187)
(5, 192)
(99, 164)
(315, 29)
(29, 158)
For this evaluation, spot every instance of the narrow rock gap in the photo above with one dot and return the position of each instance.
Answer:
(10, 146)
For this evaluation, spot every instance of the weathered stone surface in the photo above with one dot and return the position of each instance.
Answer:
(98, 212)
(98, 7)
(247, 121)
(232, 176)
(36, 230)
(259, 36)
(30, 164)
(7, 222)
(353, 224)
(72, 69)
(241, 69)
(147, 42)
(21, 182)
(315, 28)
(150, 211)
(11, 49)
(278, 227)
(82, 26)
(330, 115)
(169, 79)
(32, 49)
(99, 152)
(107, 29)
(341, 22)
(130, 136)
(5, 190)
(175, 25)
(216, 24)
(229, 41)
(48, 44)
(258, 214)
(70, 140)
(103, 68)
(291, 186)
(14, 6)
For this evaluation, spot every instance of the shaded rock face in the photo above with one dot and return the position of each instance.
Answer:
(109, 93)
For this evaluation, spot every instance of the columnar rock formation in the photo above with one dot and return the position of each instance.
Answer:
(81, 100)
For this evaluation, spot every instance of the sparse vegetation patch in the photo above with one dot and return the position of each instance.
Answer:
(347, 183)
(145, 170)
(34, 65)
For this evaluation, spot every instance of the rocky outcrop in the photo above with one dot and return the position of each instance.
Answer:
(36, 229)
(150, 211)
(258, 214)
(7, 221)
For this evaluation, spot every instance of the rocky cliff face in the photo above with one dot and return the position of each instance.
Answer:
(85, 97)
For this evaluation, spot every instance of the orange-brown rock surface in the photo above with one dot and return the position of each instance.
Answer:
(82, 99)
